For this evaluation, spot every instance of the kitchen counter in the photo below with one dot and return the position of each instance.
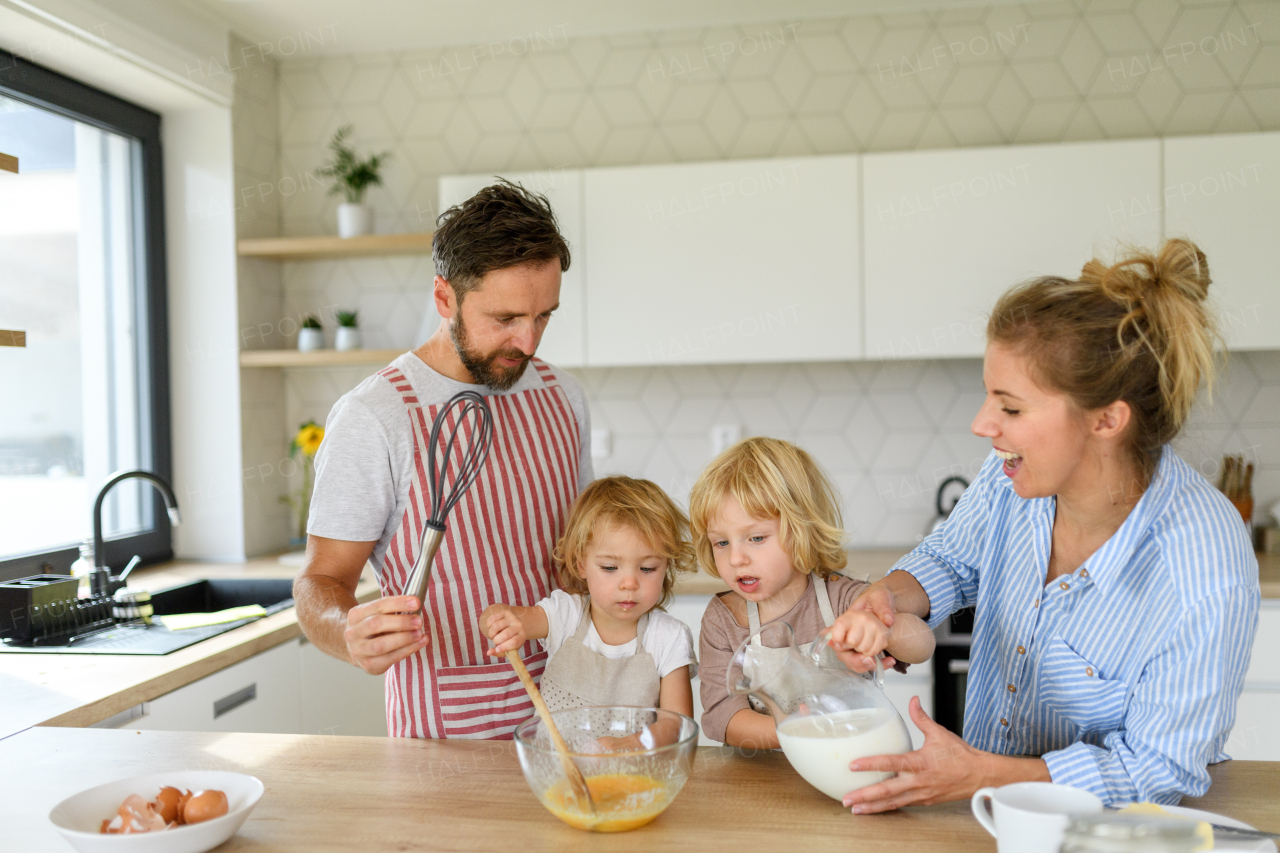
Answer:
(873, 564)
(1269, 575)
(80, 690)
(866, 564)
(342, 794)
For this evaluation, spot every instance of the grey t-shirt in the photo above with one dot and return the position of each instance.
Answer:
(365, 463)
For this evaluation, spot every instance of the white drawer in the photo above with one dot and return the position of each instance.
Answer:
(900, 690)
(1264, 663)
(259, 694)
(340, 699)
(1256, 736)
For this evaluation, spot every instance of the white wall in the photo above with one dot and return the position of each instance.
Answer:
(204, 361)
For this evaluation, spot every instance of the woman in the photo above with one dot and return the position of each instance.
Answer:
(1116, 590)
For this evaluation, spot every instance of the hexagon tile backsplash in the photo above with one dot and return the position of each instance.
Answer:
(887, 432)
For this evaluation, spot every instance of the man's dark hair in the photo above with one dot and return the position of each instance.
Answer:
(503, 225)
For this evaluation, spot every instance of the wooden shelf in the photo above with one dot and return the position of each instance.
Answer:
(8, 163)
(318, 358)
(321, 248)
(12, 338)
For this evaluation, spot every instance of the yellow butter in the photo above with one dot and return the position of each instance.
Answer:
(1203, 830)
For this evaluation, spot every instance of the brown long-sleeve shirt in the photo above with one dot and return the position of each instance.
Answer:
(721, 635)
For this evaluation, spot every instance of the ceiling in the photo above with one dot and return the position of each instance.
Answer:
(369, 26)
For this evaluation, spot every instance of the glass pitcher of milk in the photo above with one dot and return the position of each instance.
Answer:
(826, 714)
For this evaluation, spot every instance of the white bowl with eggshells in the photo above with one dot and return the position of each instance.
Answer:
(79, 817)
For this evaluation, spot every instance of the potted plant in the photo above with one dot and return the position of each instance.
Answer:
(351, 177)
(311, 335)
(348, 337)
(307, 442)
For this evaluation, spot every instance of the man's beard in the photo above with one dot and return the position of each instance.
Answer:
(483, 368)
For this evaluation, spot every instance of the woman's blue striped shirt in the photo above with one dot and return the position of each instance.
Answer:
(1122, 675)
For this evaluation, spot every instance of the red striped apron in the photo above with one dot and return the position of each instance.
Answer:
(497, 548)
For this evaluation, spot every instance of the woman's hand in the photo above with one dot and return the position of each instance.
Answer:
(503, 628)
(943, 769)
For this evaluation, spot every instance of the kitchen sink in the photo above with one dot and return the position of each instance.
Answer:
(210, 596)
(202, 596)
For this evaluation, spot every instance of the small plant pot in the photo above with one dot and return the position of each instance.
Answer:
(348, 338)
(354, 220)
(310, 340)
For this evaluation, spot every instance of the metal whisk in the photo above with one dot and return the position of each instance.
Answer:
(474, 422)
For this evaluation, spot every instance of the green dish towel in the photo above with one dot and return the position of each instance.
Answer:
(182, 621)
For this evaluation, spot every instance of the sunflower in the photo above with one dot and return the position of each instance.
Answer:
(307, 440)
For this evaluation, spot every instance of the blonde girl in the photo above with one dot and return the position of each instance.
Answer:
(607, 638)
(766, 521)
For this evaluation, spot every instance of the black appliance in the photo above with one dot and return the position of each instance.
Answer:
(951, 669)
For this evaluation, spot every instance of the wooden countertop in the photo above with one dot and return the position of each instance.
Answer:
(351, 793)
(80, 690)
(866, 564)
(873, 564)
(1269, 575)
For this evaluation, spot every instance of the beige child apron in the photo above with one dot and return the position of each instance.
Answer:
(770, 659)
(576, 676)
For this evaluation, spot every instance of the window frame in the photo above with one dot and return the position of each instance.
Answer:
(40, 87)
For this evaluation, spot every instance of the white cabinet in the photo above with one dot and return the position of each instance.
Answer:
(727, 262)
(259, 694)
(338, 698)
(1223, 192)
(1255, 736)
(900, 688)
(563, 342)
(947, 232)
(293, 688)
(689, 609)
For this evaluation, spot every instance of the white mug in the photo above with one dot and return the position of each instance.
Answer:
(1030, 817)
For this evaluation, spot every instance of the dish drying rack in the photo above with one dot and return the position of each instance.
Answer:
(45, 610)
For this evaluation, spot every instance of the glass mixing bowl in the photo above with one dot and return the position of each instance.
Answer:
(635, 761)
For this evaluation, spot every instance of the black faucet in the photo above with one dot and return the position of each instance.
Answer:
(101, 581)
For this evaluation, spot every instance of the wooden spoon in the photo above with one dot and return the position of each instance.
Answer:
(576, 781)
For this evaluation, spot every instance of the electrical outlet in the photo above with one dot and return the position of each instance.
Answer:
(601, 444)
(724, 436)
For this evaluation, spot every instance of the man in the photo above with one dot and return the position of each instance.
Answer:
(498, 259)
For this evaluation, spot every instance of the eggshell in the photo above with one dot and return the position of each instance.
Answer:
(204, 805)
(166, 803)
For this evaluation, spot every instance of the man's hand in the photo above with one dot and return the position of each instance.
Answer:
(382, 633)
(503, 628)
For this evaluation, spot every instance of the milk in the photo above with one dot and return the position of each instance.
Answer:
(821, 746)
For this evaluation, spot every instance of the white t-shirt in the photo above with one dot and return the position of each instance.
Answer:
(667, 640)
(365, 464)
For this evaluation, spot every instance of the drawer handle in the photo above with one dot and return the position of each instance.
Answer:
(230, 702)
(957, 667)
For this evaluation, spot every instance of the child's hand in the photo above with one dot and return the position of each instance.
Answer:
(862, 632)
(503, 628)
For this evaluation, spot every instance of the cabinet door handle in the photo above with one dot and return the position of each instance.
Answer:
(231, 701)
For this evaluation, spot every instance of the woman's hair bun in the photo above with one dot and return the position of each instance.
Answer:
(1179, 269)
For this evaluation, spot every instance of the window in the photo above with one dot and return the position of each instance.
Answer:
(82, 273)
